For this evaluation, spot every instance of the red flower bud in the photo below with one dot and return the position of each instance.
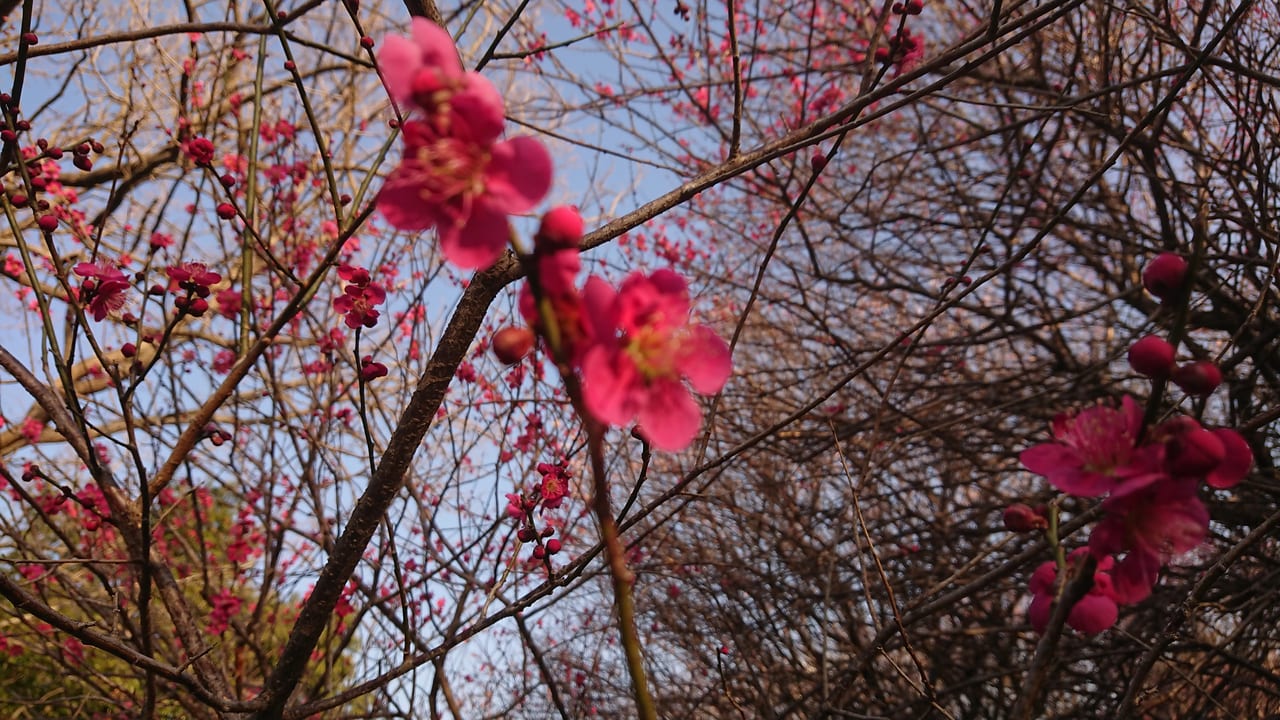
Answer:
(47, 223)
(561, 229)
(83, 162)
(553, 546)
(1152, 356)
(226, 211)
(1198, 378)
(818, 161)
(1020, 518)
(1195, 452)
(366, 42)
(1165, 275)
(128, 350)
(511, 344)
(527, 534)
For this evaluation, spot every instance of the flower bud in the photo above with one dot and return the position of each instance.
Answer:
(511, 344)
(226, 211)
(1152, 356)
(1199, 378)
(1165, 275)
(1021, 518)
(1195, 452)
(561, 228)
(47, 223)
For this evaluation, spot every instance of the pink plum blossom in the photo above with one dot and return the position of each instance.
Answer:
(360, 298)
(104, 288)
(465, 189)
(1150, 522)
(424, 71)
(642, 345)
(1092, 451)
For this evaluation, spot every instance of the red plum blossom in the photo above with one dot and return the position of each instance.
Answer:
(1091, 451)
(643, 345)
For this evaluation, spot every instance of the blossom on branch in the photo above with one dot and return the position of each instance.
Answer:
(643, 344)
(1095, 612)
(103, 291)
(360, 298)
(456, 176)
(1092, 451)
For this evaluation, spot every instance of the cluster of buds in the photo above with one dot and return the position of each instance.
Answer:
(1150, 477)
(195, 280)
(1153, 356)
(553, 489)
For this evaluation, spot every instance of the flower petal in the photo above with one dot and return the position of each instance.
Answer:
(1093, 614)
(399, 59)
(477, 107)
(669, 418)
(705, 360)
(479, 242)
(1134, 576)
(400, 202)
(598, 298)
(1236, 462)
(436, 48)
(519, 174)
(608, 385)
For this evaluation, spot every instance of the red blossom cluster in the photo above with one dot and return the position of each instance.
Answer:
(632, 348)
(196, 281)
(103, 290)
(1149, 475)
(360, 298)
(456, 175)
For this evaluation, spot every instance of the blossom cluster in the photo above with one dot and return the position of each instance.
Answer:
(1149, 476)
(456, 175)
(632, 348)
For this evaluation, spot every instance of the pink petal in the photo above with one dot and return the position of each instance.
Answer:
(436, 48)
(608, 385)
(1134, 576)
(1175, 527)
(598, 298)
(1236, 462)
(1093, 614)
(657, 301)
(519, 174)
(1039, 612)
(479, 242)
(706, 361)
(400, 202)
(1061, 465)
(478, 108)
(669, 418)
(399, 60)
(1042, 579)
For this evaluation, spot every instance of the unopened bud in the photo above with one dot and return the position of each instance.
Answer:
(511, 344)
(1198, 378)
(1152, 356)
(1021, 518)
(562, 228)
(1165, 275)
